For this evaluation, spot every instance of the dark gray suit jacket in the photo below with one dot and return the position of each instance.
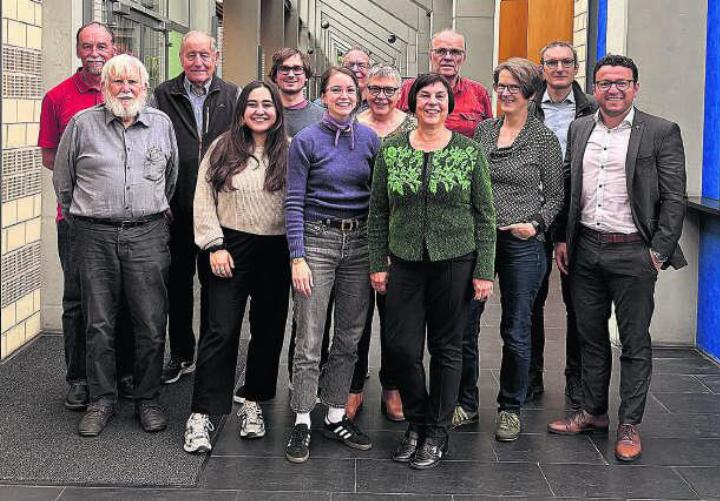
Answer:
(655, 173)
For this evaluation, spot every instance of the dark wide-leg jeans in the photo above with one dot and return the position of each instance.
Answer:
(262, 273)
(621, 274)
(133, 261)
(432, 295)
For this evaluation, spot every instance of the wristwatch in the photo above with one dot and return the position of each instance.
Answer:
(658, 257)
(297, 260)
(215, 248)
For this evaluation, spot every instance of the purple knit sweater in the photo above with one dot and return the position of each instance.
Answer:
(327, 181)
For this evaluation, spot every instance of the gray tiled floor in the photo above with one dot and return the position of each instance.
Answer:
(681, 435)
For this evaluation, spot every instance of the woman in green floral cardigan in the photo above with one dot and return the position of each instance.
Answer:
(432, 246)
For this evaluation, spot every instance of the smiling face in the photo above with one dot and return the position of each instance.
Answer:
(125, 93)
(198, 59)
(359, 63)
(556, 73)
(94, 48)
(510, 93)
(380, 103)
(431, 105)
(614, 102)
(291, 77)
(447, 54)
(340, 96)
(260, 114)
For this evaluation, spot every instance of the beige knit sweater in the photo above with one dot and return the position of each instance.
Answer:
(247, 208)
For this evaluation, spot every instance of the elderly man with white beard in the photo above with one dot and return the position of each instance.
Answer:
(115, 170)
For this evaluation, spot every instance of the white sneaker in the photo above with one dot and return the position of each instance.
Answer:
(252, 424)
(197, 433)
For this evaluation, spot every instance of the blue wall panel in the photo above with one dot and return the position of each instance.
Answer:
(708, 331)
(711, 136)
(601, 46)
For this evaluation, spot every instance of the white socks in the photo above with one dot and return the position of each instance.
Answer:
(335, 415)
(302, 418)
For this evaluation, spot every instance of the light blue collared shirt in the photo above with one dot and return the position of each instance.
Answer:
(558, 116)
(197, 101)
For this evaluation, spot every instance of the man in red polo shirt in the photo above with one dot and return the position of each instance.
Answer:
(472, 103)
(94, 46)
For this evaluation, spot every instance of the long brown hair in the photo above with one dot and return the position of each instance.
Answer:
(235, 146)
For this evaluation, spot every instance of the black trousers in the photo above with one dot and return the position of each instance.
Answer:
(620, 274)
(436, 296)
(262, 272)
(573, 359)
(130, 261)
(184, 260)
(387, 379)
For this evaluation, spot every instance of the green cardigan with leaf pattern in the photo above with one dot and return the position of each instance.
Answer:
(448, 209)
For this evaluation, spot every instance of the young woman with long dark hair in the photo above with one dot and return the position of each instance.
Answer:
(239, 224)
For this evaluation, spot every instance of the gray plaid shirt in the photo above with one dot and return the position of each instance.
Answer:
(103, 170)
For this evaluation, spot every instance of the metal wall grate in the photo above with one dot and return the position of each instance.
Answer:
(20, 60)
(20, 273)
(21, 170)
(17, 86)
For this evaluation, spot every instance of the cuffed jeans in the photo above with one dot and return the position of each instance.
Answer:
(623, 274)
(132, 261)
(520, 265)
(262, 272)
(340, 259)
(430, 297)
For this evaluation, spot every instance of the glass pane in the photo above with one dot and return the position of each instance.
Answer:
(174, 66)
(127, 36)
(179, 11)
(158, 6)
(153, 55)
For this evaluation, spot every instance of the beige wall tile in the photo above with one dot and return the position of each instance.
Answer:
(4, 30)
(33, 130)
(9, 9)
(25, 110)
(32, 327)
(9, 111)
(16, 34)
(37, 205)
(15, 136)
(36, 300)
(26, 11)
(3, 242)
(8, 317)
(24, 307)
(34, 37)
(9, 213)
(32, 230)
(16, 236)
(38, 14)
(15, 338)
(4, 136)
(38, 109)
(25, 208)
(3, 347)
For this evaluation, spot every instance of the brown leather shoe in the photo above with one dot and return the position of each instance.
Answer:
(628, 447)
(353, 405)
(579, 422)
(391, 405)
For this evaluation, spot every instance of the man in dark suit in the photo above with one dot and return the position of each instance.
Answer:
(625, 186)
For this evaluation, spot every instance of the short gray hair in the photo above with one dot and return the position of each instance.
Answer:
(524, 71)
(384, 71)
(357, 48)
(123, 64)
(448, 31)
(559, 43)
(213, 42)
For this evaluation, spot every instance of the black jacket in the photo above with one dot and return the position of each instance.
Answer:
(655, 171)
(584, 103)
(171, 98)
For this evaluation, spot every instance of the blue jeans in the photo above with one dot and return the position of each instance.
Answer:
(468, 396)
(520, 265)
(73, 324)
(336, 259)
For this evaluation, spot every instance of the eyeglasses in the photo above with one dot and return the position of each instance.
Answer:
(352, 65)
(286, 70)
(555, 63)
(375, 90)
(444, 51)
(511, 88)
(621, 85)
(336, 90)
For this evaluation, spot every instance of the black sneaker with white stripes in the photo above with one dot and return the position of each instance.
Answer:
(298, 447)
(348, 433)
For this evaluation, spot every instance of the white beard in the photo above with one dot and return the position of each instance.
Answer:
(115, 106)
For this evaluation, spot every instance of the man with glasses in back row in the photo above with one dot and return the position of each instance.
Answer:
(357, 60)
(558, 101)
(623, 216)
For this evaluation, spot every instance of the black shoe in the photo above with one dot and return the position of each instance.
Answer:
(95, 419)
(574, 393)
(126, 388)
(175, 369)
(405, 452)
(298, 447)
(348, 433)
(429, 454)
(77, 397)
(151, 416)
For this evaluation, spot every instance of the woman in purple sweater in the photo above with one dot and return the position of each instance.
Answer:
(329, 176)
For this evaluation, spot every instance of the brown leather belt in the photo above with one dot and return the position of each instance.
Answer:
(119, 223)
(610, 238)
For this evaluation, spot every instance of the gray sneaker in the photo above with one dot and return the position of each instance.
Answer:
(462, 417)
(507, 426)
(252, 424)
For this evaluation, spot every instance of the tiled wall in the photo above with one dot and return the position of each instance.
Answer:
(580, 30)
(21, 167)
